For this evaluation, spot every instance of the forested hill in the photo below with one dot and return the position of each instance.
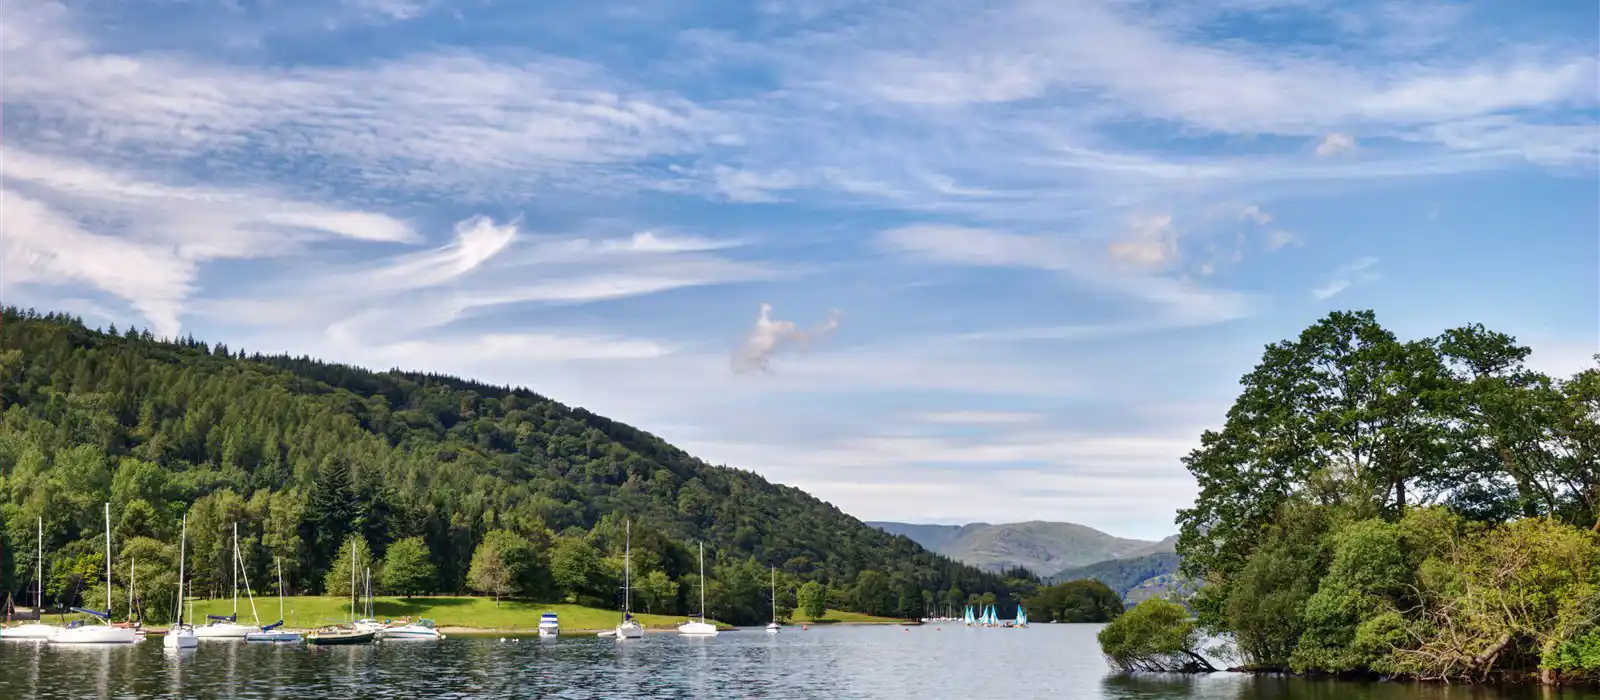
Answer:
(304, 455)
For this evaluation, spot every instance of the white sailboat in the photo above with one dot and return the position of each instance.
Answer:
(629, 628)
(180, 635)
(773, 627)
(701, 628)
(227, 626)
(105, 632)
(275, 632)
(34, 630)
(368, 623)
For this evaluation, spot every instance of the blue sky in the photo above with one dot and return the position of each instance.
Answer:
(1017, 255)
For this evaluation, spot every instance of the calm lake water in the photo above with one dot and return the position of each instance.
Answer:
(926, 663)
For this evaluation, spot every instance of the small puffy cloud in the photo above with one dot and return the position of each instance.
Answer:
(768, 337)
(1150, 242)
(1278, 238)
(1334, 144)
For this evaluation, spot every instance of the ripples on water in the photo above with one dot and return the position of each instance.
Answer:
(926, 663)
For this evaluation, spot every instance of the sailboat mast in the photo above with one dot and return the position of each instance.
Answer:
(183, 545)
(702, 582)
(627, 564)
(279, 563)
(108, 561)
(131, 586)
(774, 594)
(352, 582)
(236, 571)
(38, 596)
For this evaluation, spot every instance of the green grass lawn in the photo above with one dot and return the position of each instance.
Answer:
(837, 616)
(304, 612)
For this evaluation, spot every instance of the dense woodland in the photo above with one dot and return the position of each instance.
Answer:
(1426, 509)
(439, 485)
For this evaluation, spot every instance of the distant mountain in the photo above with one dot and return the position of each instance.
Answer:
(1042, 547)
(1122, 575)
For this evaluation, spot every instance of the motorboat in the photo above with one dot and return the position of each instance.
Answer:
(549, 626)
(421, 629)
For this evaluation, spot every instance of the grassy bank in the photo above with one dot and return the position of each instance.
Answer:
(303, 612)
(841, 617)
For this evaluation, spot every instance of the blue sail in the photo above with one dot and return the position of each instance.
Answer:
(96, 613)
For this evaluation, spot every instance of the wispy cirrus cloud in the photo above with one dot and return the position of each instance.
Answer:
(1358, 271)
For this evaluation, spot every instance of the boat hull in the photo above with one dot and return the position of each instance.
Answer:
(340, 638)
(32, 630)
(549, 632)
(629, 631)
(697, 629)
(176, 638)
(773, 628)
(275, 636)
(95, 634)
(224, 630)
(404, 633)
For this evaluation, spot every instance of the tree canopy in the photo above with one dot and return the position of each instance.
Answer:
(1426, 508)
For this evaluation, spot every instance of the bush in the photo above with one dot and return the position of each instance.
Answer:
(1156, 635)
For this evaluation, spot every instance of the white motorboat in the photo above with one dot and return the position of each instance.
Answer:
(180, 635)
(629, 628)
(700, 628)
(34, 630)
(421, 629)
(549, 626)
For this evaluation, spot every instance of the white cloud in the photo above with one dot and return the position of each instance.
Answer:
(144, 241)
(1346, 276)
(1150, 242)
(977, 417)
(767, 337)
(1336, 143)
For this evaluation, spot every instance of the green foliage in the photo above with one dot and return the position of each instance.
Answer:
(354, 559)
(1308, 530)
(304, 455)
(406, 569)
(1155, 635)
(813, 600)
(1123, 574)
(1084, 600)
(503, 564)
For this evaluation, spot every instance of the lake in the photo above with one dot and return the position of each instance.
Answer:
(829, 663)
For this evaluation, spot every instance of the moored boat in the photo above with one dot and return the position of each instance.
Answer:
(340, 634)
(549, 625)
(79, 632)
(700, 628)
(421, 629)
(180, 635)
(34, 630)
(629, 628)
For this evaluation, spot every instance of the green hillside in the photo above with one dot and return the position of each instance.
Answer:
(315, 461)
(1123, 575)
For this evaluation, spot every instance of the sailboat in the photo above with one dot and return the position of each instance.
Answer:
(966, 616)
(1022, 616)
(701, 628)
(629, 628)
(773, 627)
(338, 634)
(34, 630)
(368, 623)
(180, 635)
(105, 632)
(227, 626)
(275, 632)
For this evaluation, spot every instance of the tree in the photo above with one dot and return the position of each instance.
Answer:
(355, 552)
(499, 564)
(872, 594)
(1084, 600)
(813, 600)
(658, 593)
(1156, 635)
(1347, 400)
(406, 568)
(575, 566)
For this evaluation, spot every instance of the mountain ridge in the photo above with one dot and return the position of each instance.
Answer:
(1043, 547)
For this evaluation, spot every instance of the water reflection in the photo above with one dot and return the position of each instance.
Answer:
(1060, 662)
